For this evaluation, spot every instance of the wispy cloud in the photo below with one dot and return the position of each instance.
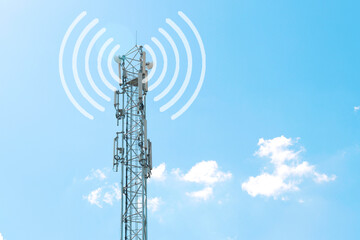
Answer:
(108, 198)
(159, 173)
(204, 194)
(1, 237)
(356, 108)
(94, 197)
(117, 191)
(154, 204)
(206, 173)
(106, 194)
(96, 174)
(289, 170)
(323, 177)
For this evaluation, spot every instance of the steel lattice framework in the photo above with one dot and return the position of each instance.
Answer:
(132, 149)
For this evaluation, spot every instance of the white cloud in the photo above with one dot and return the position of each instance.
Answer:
(303, 169)
(288, 172)
(204, 194)
(323, 177)
(94, 197)
(154, 203)
(266, 184)
(206, 172)
(112, 193)
(1, 237)
(117, 191)
(96, 174)
(158, 173)
(356, 108)
(108, 198)
(301, 201)
(277, 149)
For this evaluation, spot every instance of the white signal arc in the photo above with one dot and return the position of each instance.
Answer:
(163, 72)
(74, 65)
(153, 58)
(188, 71)
(61, 67)
(109, 63)
(177, 66)
(164, 93)
(203, 67)
(87, 68)
(101, 73)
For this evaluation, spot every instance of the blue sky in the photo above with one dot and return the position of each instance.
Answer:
(269, 149)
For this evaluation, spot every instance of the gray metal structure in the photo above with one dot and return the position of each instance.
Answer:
(132, 149)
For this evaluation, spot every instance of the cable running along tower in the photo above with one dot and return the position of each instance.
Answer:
(132, 149)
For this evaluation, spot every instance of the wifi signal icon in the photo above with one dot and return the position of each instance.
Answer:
(85, 32)
(174, 77)
(100, 55)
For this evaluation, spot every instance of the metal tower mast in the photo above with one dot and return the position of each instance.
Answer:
(132, 149)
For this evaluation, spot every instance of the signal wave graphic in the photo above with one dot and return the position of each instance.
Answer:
(84, 33)
(109, 58)
(174, 77)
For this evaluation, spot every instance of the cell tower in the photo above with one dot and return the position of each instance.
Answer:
(132, 149)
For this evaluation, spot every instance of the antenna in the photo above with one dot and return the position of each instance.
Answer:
(132, 149)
